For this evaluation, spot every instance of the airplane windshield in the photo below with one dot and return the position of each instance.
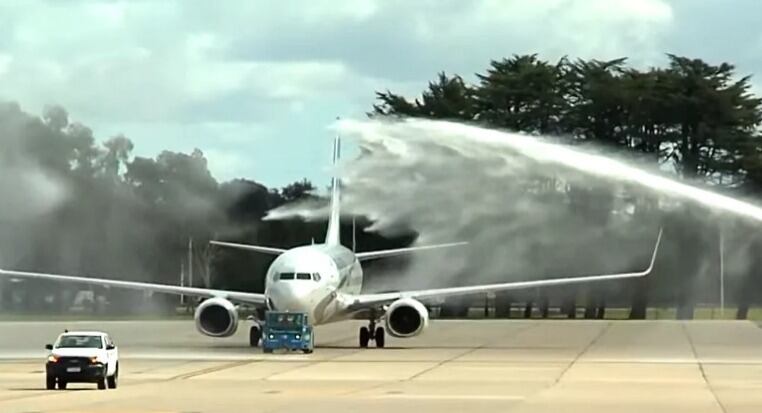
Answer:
(303, 276)
(286, 276)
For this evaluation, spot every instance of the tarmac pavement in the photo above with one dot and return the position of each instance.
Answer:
(484, 365)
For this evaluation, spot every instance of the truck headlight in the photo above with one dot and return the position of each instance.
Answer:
(95, 360)
(271, 336)
(53, 358)
(298, 336)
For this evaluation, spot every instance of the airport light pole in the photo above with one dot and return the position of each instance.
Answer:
(190, 262)
(354, 236)
(182, 281)
(722, 275)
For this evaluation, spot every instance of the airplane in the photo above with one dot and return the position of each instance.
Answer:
(325, 282)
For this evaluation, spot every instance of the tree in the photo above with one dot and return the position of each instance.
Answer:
(709, 116)
(297, 191)
(597, 102)
(445, 98)
(523, 93)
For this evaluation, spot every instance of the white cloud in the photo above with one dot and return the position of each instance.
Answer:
(113, 14)
(357, 10)
(227, 164)
(174, 66)
(151, 62)
(5, 63)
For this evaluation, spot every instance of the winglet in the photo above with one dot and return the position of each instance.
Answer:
(656, 251)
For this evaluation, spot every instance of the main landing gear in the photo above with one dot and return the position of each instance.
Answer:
(255, 334)
(372, 333)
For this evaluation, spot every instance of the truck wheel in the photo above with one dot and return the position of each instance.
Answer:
(61, 384)
(307, 351)
(267, 350)
(364, 337)
(113, 380)
(50, 382)
(379, 336)
(254, 335)
(102, 383)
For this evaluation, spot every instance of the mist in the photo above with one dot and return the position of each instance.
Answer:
(29, 190)
(529, 206)
(73, 205)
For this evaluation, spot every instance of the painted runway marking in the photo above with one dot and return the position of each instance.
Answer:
(449, 397)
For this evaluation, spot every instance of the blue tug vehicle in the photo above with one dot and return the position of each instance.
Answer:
(286, 330)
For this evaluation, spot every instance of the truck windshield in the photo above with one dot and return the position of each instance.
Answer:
(79, 342)
(285, 321)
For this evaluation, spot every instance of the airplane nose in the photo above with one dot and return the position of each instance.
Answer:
(291, 296)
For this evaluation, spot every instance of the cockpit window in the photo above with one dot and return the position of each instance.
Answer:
(299, 276)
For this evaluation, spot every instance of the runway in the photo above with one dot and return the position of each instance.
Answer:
(515, 366)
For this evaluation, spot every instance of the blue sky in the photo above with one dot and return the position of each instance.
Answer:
(256, 84)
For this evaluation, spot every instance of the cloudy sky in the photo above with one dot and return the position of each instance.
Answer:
(256, 84)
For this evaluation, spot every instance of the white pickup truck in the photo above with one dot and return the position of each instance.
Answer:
(82, 357)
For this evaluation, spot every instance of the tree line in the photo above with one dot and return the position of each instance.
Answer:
(73, 205)
(698, 120)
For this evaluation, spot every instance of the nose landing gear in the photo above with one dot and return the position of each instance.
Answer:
(372, 333)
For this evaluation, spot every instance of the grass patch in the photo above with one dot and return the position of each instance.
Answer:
(622, 313)
(92, 317)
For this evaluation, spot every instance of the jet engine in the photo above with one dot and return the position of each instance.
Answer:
(406, 317)
(216, 317)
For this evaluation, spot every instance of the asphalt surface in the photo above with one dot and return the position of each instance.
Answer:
(514, 366)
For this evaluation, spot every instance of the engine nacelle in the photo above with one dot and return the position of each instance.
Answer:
(216, 317)
(406, 317)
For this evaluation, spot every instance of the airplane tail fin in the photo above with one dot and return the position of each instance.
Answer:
(332, 236)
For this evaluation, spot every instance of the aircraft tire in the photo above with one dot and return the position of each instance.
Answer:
(380, 337)
(364, 337)
(254, 335)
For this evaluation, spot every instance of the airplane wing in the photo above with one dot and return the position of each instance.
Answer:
(370, 255)
(240, 297)
(373, 300)
(248, 247)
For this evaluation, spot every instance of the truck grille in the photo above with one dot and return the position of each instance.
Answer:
(74, 361)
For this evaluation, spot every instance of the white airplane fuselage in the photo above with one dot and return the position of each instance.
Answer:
(311, 279)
